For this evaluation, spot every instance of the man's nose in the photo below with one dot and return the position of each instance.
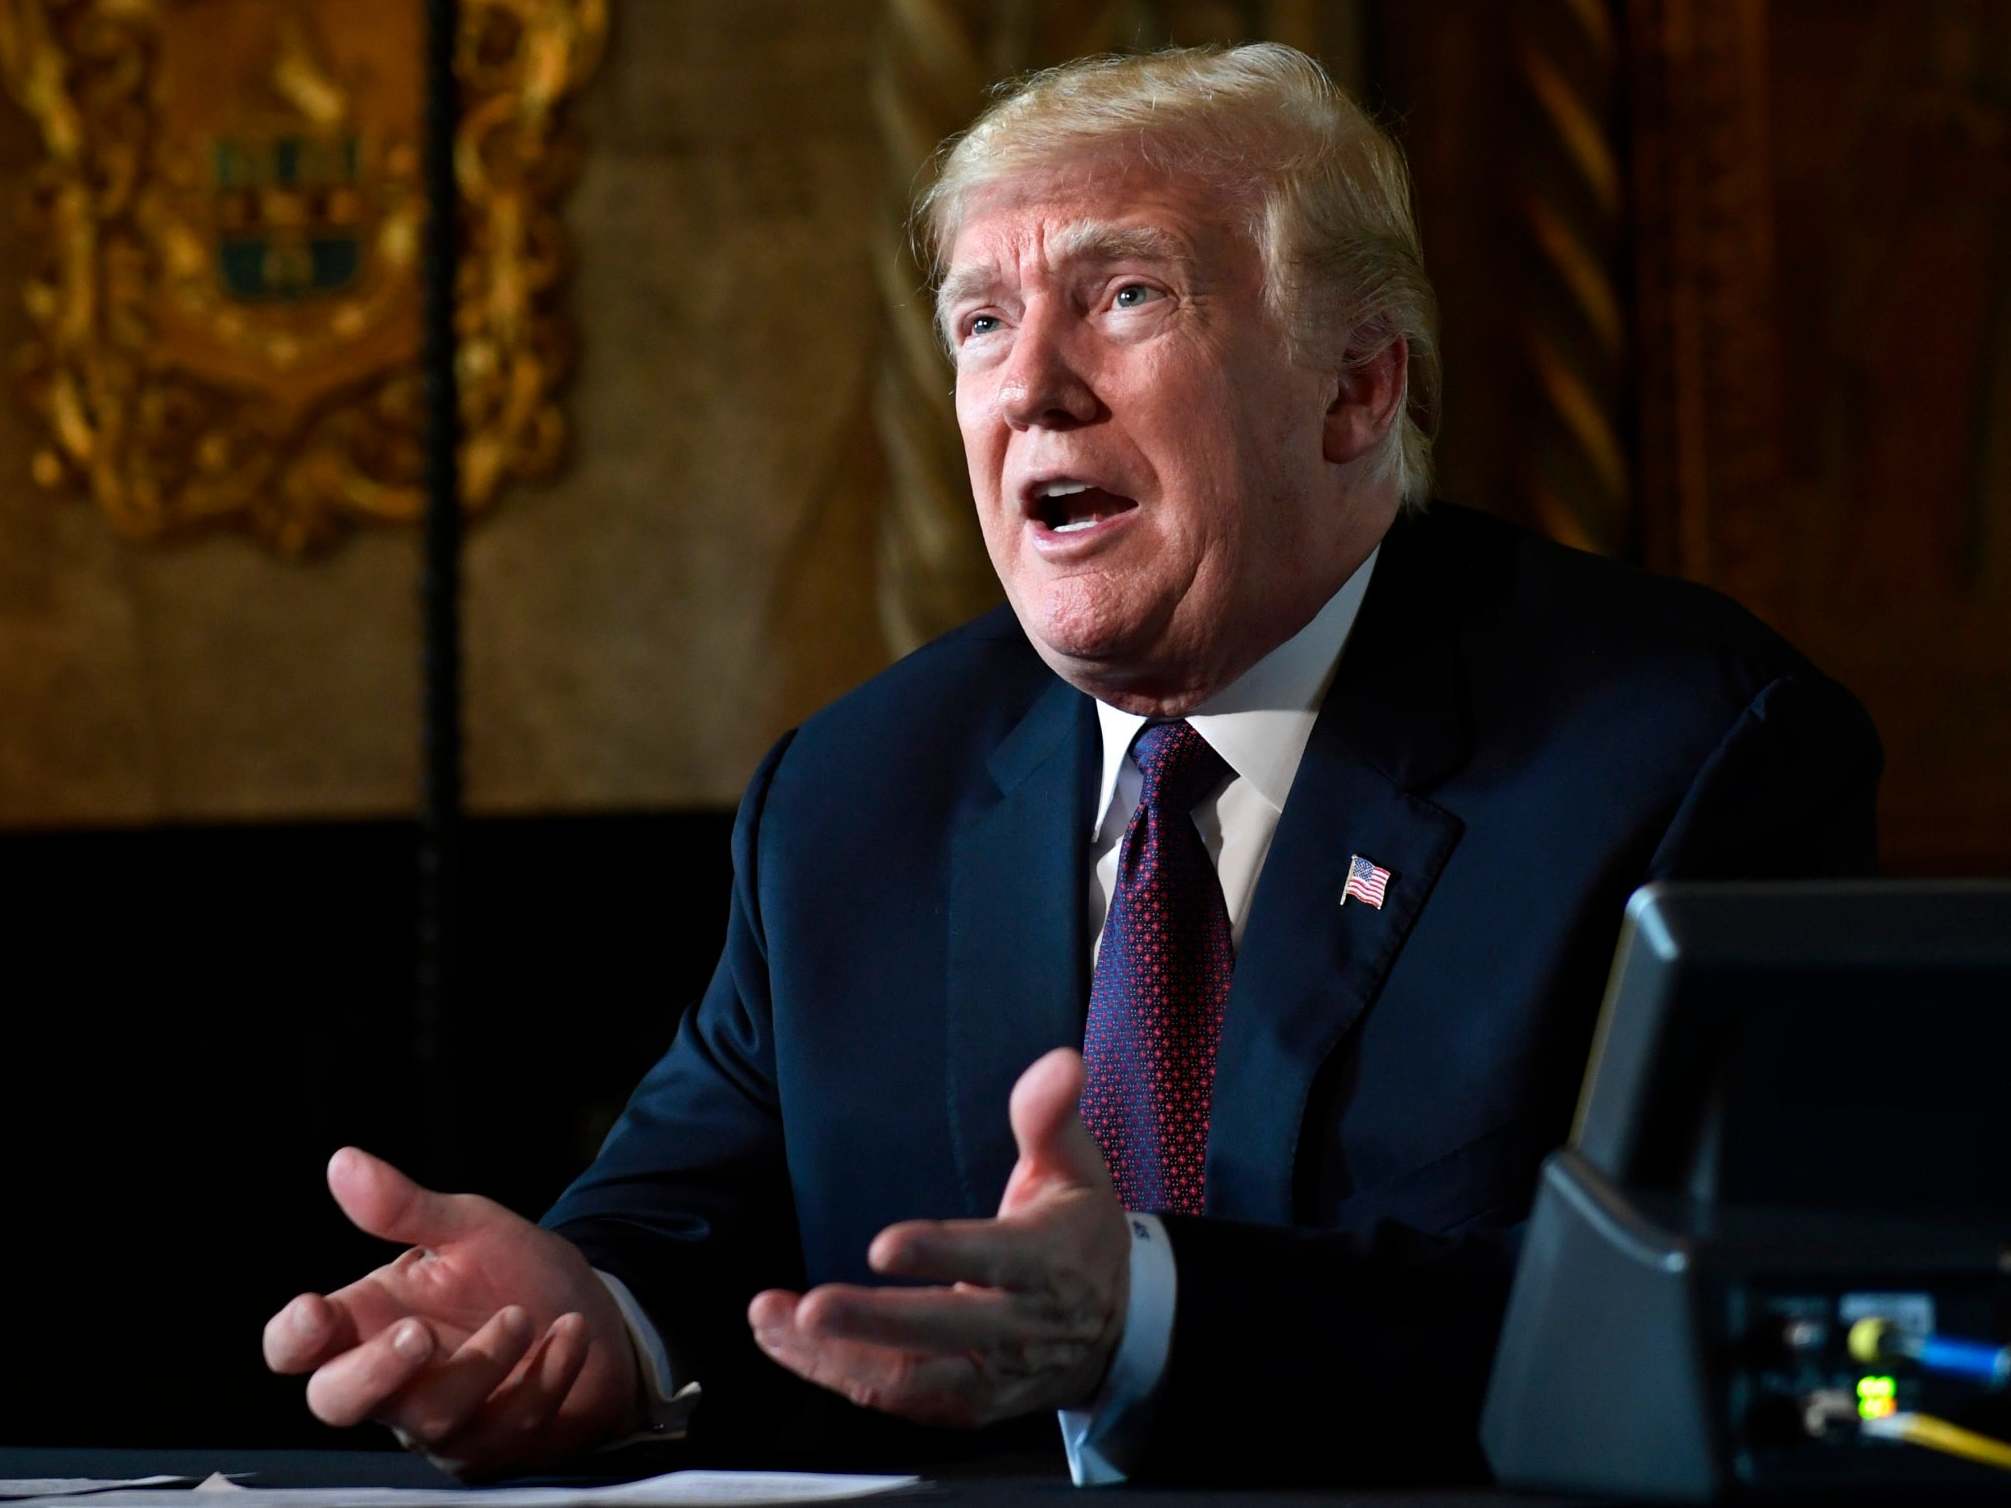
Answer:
(1043, 386)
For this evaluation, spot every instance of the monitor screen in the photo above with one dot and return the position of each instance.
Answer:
(1834, 1045)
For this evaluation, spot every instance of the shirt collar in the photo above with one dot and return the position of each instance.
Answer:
(1260, 722)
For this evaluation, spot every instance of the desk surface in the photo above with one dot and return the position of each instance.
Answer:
(985, 1484)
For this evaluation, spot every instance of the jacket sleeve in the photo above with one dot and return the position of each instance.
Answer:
(1364, 1355)
(688, 1202)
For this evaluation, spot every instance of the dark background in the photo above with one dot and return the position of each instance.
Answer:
(173, 1094)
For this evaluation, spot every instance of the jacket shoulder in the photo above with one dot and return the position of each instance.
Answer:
(1590, 610)
(903, 746)
(1610, 662)
(979, 672)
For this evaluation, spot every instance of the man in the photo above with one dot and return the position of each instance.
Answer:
(1329, 927)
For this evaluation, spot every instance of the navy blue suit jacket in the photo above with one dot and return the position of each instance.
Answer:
(1518, 733)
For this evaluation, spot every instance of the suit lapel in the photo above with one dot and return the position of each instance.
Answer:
(1394, 722)
(1016, 982)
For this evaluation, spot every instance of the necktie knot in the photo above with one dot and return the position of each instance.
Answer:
(1177, 764)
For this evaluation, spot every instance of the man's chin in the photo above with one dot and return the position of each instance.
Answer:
(1072, 642)
(1101, 634)
(1111, 667)
(1139, 663)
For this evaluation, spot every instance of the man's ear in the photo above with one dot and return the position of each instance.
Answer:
(1367, 394)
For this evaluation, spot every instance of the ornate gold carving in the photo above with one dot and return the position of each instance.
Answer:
(227, 310)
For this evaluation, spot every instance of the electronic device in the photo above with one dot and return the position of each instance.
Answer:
(1776, 1257)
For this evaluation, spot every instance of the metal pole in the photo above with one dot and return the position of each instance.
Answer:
(440, 602)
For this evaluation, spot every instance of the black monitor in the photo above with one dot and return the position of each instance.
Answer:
(1797, 1116)
(1840, 1046)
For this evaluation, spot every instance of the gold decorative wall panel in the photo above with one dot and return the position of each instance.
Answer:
(230, 221)
(704, 571)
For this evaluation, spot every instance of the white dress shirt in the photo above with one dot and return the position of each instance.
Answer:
(1259, 725)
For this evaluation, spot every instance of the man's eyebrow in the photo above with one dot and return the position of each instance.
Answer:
(961, 283)
(1079, 241)
(1099, 241)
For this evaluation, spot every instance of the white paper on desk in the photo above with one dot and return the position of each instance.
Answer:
(57, 1487)
(677, 1489)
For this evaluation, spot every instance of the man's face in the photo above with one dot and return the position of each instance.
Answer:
(1147, 461)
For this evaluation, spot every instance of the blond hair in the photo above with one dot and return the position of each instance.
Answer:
(1325, 191)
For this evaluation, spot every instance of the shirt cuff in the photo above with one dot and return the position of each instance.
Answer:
(1104, 1439)
(666, 1406)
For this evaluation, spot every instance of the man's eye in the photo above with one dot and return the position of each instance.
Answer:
(1131, 295)
(980, 324)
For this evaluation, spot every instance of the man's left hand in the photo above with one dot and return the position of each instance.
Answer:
(1031, 1305)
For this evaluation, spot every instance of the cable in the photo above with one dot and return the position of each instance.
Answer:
(1938, 1434)
(1875, 1340)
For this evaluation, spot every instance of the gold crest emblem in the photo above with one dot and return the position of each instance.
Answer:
(227, 311)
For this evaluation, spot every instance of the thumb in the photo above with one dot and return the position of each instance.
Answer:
(1047, 1125)
(383, 1201)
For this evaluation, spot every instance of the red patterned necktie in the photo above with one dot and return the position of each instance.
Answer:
(1161, 984)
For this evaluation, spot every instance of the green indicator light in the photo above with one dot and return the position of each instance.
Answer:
(1875, 1397)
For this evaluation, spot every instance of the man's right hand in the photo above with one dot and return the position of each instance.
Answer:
(490, 1345)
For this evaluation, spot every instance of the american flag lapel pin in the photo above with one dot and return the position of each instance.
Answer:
(1366, 882)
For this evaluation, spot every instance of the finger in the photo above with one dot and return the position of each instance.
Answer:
(925, 1319)
(927, 1389)
(511, 1424)
(355, 1385)
(1046, 1123)
(383, 1201)
(443, 1400)
(536, 1395)
(772, 1307)
(306, 1333)
(990, 1253)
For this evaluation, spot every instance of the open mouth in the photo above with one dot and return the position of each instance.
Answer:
(1067, 507)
